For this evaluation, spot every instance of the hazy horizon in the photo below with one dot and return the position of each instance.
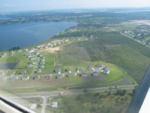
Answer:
(37, 5)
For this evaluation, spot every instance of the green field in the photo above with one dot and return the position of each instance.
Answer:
(133, 57)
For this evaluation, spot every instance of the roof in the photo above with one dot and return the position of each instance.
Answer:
(60, 76)
(95, 73)
(13, 78)
(47, 77)
(83, 74)
(36, 77)
(68, 69)
(25, 77)
(33, 106)
(54, 104)
(72, 74)
(57, 70)
(99, 65)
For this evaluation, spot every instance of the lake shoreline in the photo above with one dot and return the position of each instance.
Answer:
(30, 34)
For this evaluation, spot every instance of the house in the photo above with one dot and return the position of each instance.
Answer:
(4, 78)
(54, 104)
(47, 77)
(11, 53)
(4, 54)
(36, 77)
(68, 70)
(99, 65)
(72, 74)
(78, 70)
(25, 78)
(38, 70)
(11, 73)
(95, 73)
(83, 74)
(106, 70)
(14, 78)
(26, 50)
(58, 70)
(23, 72)
(2, 73)
(42, 63)
(36, 53)
(29, 65)
(33, 106)
(90, 68)
(41, 66)
(32, 58)
(60, 76)
(19, 51)
(30, 62)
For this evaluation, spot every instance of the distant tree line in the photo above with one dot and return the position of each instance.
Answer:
(14, 48)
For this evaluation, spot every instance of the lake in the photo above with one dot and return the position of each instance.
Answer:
(28, 34)
(4, 18)
(8, 66)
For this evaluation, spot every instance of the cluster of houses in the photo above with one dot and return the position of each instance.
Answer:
(94, 71)
(33, 106)
(47, 45)
(139, 36)
(3, 54)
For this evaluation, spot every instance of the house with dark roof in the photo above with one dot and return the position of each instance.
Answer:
(90, 68)
(68, 70)
(38, 71)
(36, 77)
(48, 77)
(106, 70)
(78, 70)
(22, 72)
(99, 65)
(60, 76)
(58, 70)
(84, 74)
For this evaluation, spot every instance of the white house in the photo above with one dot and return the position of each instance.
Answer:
(54, 104)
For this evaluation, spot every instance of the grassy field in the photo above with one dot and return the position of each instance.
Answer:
(133, 57)
(42, 84)
(72, 55)
(108, 102)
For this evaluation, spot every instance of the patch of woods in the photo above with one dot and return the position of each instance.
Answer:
(107, 102)
(14, 48)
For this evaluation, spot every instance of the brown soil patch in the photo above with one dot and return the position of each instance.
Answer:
(50, 50)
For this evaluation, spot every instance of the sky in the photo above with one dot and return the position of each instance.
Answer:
(30, 5)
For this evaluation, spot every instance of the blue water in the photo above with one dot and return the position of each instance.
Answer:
(4, 18)
(28, 34)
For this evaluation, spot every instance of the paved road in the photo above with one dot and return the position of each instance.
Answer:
(44, 104)
(67, 92)
(134, 39)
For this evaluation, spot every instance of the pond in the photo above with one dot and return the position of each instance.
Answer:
(8, 66)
